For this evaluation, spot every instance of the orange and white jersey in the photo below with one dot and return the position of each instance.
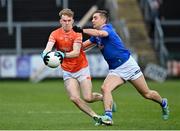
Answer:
(64, 42)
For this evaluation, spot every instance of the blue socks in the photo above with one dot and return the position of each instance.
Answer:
(163, 104)
(108, 113)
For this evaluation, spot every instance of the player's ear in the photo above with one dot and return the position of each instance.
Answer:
(60, 21)
(72, 21)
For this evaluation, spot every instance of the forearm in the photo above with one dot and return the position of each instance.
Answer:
(49, 47)
(88, 45)
(71, 54)
(92, 32)
(75, 52)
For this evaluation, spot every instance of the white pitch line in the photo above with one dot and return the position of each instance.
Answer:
(51, 112)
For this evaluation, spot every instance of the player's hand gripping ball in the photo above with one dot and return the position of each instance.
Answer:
(53, 59)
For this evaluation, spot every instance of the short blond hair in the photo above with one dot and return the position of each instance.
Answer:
(67, 12)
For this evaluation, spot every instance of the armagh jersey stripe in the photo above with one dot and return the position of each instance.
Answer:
(64, 42)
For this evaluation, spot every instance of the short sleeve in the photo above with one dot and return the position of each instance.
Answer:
(92, 39)
(52, 38)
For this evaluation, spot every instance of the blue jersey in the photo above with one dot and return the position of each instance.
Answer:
(112, 47)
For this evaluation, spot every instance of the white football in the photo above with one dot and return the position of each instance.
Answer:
(53, 61)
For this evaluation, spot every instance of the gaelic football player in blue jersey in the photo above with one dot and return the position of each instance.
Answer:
(122, 66)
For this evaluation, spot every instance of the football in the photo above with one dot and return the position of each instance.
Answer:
(53, 60)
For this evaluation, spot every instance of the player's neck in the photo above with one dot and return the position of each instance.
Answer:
(102, 26)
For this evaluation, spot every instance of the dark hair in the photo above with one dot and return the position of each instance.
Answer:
(103, 13)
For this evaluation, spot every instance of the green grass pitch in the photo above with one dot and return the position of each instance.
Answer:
(45, 106)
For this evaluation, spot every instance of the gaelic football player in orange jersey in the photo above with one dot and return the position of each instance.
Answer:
(75, 68)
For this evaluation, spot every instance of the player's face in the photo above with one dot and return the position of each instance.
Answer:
(66, 22)
(98, 21)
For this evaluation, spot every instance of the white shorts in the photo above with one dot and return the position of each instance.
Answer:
(80, 75)
(127, 71)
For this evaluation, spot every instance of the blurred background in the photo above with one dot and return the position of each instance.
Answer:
(149, 28)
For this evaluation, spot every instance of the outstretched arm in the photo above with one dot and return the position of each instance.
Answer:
(95, 32)
(91, 32)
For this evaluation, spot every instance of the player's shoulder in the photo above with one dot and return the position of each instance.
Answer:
(54, 31)
(57, 30)
(78, 34)
(75, 34)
